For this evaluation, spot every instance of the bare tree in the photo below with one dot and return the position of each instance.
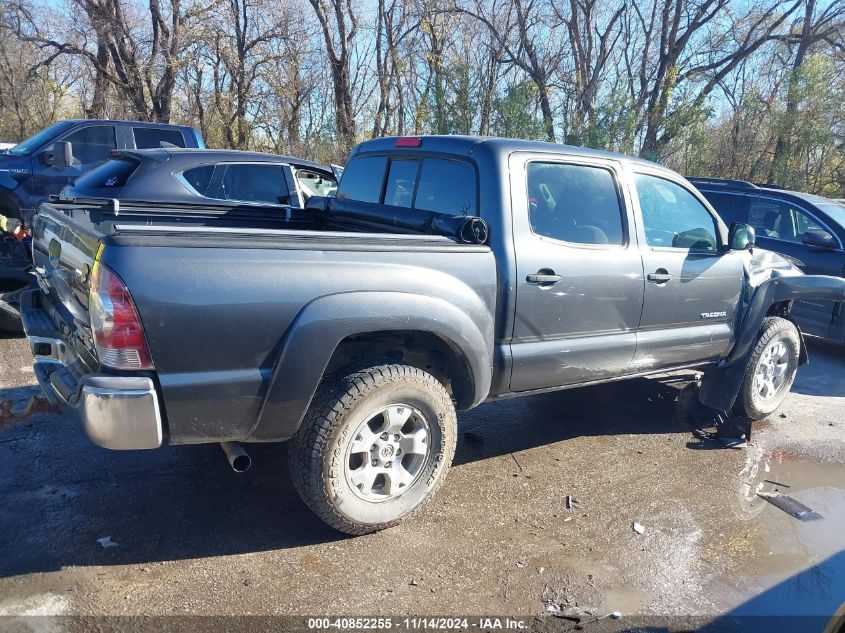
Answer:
(142, 64)
(339, 25)
(663, 56)
(806, 32)
(534, 50)
(591, 42)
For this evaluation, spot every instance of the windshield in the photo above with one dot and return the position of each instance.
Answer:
(44, 136)
(835, 210)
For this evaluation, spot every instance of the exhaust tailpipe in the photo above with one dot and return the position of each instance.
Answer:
(237, 456)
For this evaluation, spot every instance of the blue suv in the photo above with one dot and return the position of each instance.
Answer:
(40, 166)
(808, 229)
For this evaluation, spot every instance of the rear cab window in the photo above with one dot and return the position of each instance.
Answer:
(430, 183)
(362, 179)
(153, 138)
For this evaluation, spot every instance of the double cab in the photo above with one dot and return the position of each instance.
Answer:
(356, 338)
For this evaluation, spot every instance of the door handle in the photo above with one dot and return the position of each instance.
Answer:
(661, 275)
(544, 277)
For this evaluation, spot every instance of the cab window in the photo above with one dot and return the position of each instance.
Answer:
(91, 144)
(574, 203)
(781, 220)
(199, 178)
(362, 179)
(730, 207)
(315, 183)
(432, 184)
(446, 186)
(401, 181)
(249, 182)
(673, 217)
(151, 138)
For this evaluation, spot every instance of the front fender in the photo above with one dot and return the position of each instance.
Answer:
(777, 290)
(721, 385)
(320, 327)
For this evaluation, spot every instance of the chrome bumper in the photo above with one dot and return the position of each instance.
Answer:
(117, 412)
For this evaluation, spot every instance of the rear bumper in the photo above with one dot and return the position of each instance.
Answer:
(117, 412)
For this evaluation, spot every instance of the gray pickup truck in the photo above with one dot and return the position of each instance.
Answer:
(358, 339)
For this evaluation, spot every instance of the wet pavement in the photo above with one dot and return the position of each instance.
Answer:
(192, 537)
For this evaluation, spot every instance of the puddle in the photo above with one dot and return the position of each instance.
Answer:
(788, 567)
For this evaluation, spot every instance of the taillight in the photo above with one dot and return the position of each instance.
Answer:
(118, 335)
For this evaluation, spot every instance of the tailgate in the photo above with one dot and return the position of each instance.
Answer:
(63, 252)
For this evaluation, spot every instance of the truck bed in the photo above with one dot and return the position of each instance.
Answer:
(230, 303)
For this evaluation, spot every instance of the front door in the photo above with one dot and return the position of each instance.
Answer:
(91, 145)
(693, 283)
(579, 277)
(781, 227)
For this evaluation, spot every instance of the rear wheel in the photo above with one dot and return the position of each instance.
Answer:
(771, 369)
(374, 446)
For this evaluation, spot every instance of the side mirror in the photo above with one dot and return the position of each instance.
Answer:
(62, 154)
(741, 237)
(819, 239)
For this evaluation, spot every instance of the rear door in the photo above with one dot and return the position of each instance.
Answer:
(693, 283)
(780, 226)
(579, 285)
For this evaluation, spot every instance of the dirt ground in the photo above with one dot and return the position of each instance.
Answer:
(193, 537)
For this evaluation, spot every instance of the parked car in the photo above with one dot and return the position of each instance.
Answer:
(207, 177)
(808, 229)
(356, 328)
(40, 166)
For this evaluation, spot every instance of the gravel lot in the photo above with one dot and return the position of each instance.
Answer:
(195, 538)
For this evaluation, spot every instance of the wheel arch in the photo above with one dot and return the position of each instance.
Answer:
(783, 309)
(345, 329)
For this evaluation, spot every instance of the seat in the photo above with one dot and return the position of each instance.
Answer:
(769, 224)
(697, 239)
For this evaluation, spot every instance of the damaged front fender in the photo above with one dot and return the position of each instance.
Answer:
(771, 281)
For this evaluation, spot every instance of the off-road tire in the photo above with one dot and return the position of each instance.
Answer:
(318, 451)
(749, 402)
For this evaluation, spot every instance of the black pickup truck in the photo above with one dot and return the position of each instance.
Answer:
(356, 327)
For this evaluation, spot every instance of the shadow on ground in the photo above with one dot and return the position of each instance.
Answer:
(823, 375)
(60, 493)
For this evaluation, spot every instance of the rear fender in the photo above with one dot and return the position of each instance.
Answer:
(323, 324)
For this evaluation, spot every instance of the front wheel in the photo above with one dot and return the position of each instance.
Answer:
(373, 447)
(771, 369)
